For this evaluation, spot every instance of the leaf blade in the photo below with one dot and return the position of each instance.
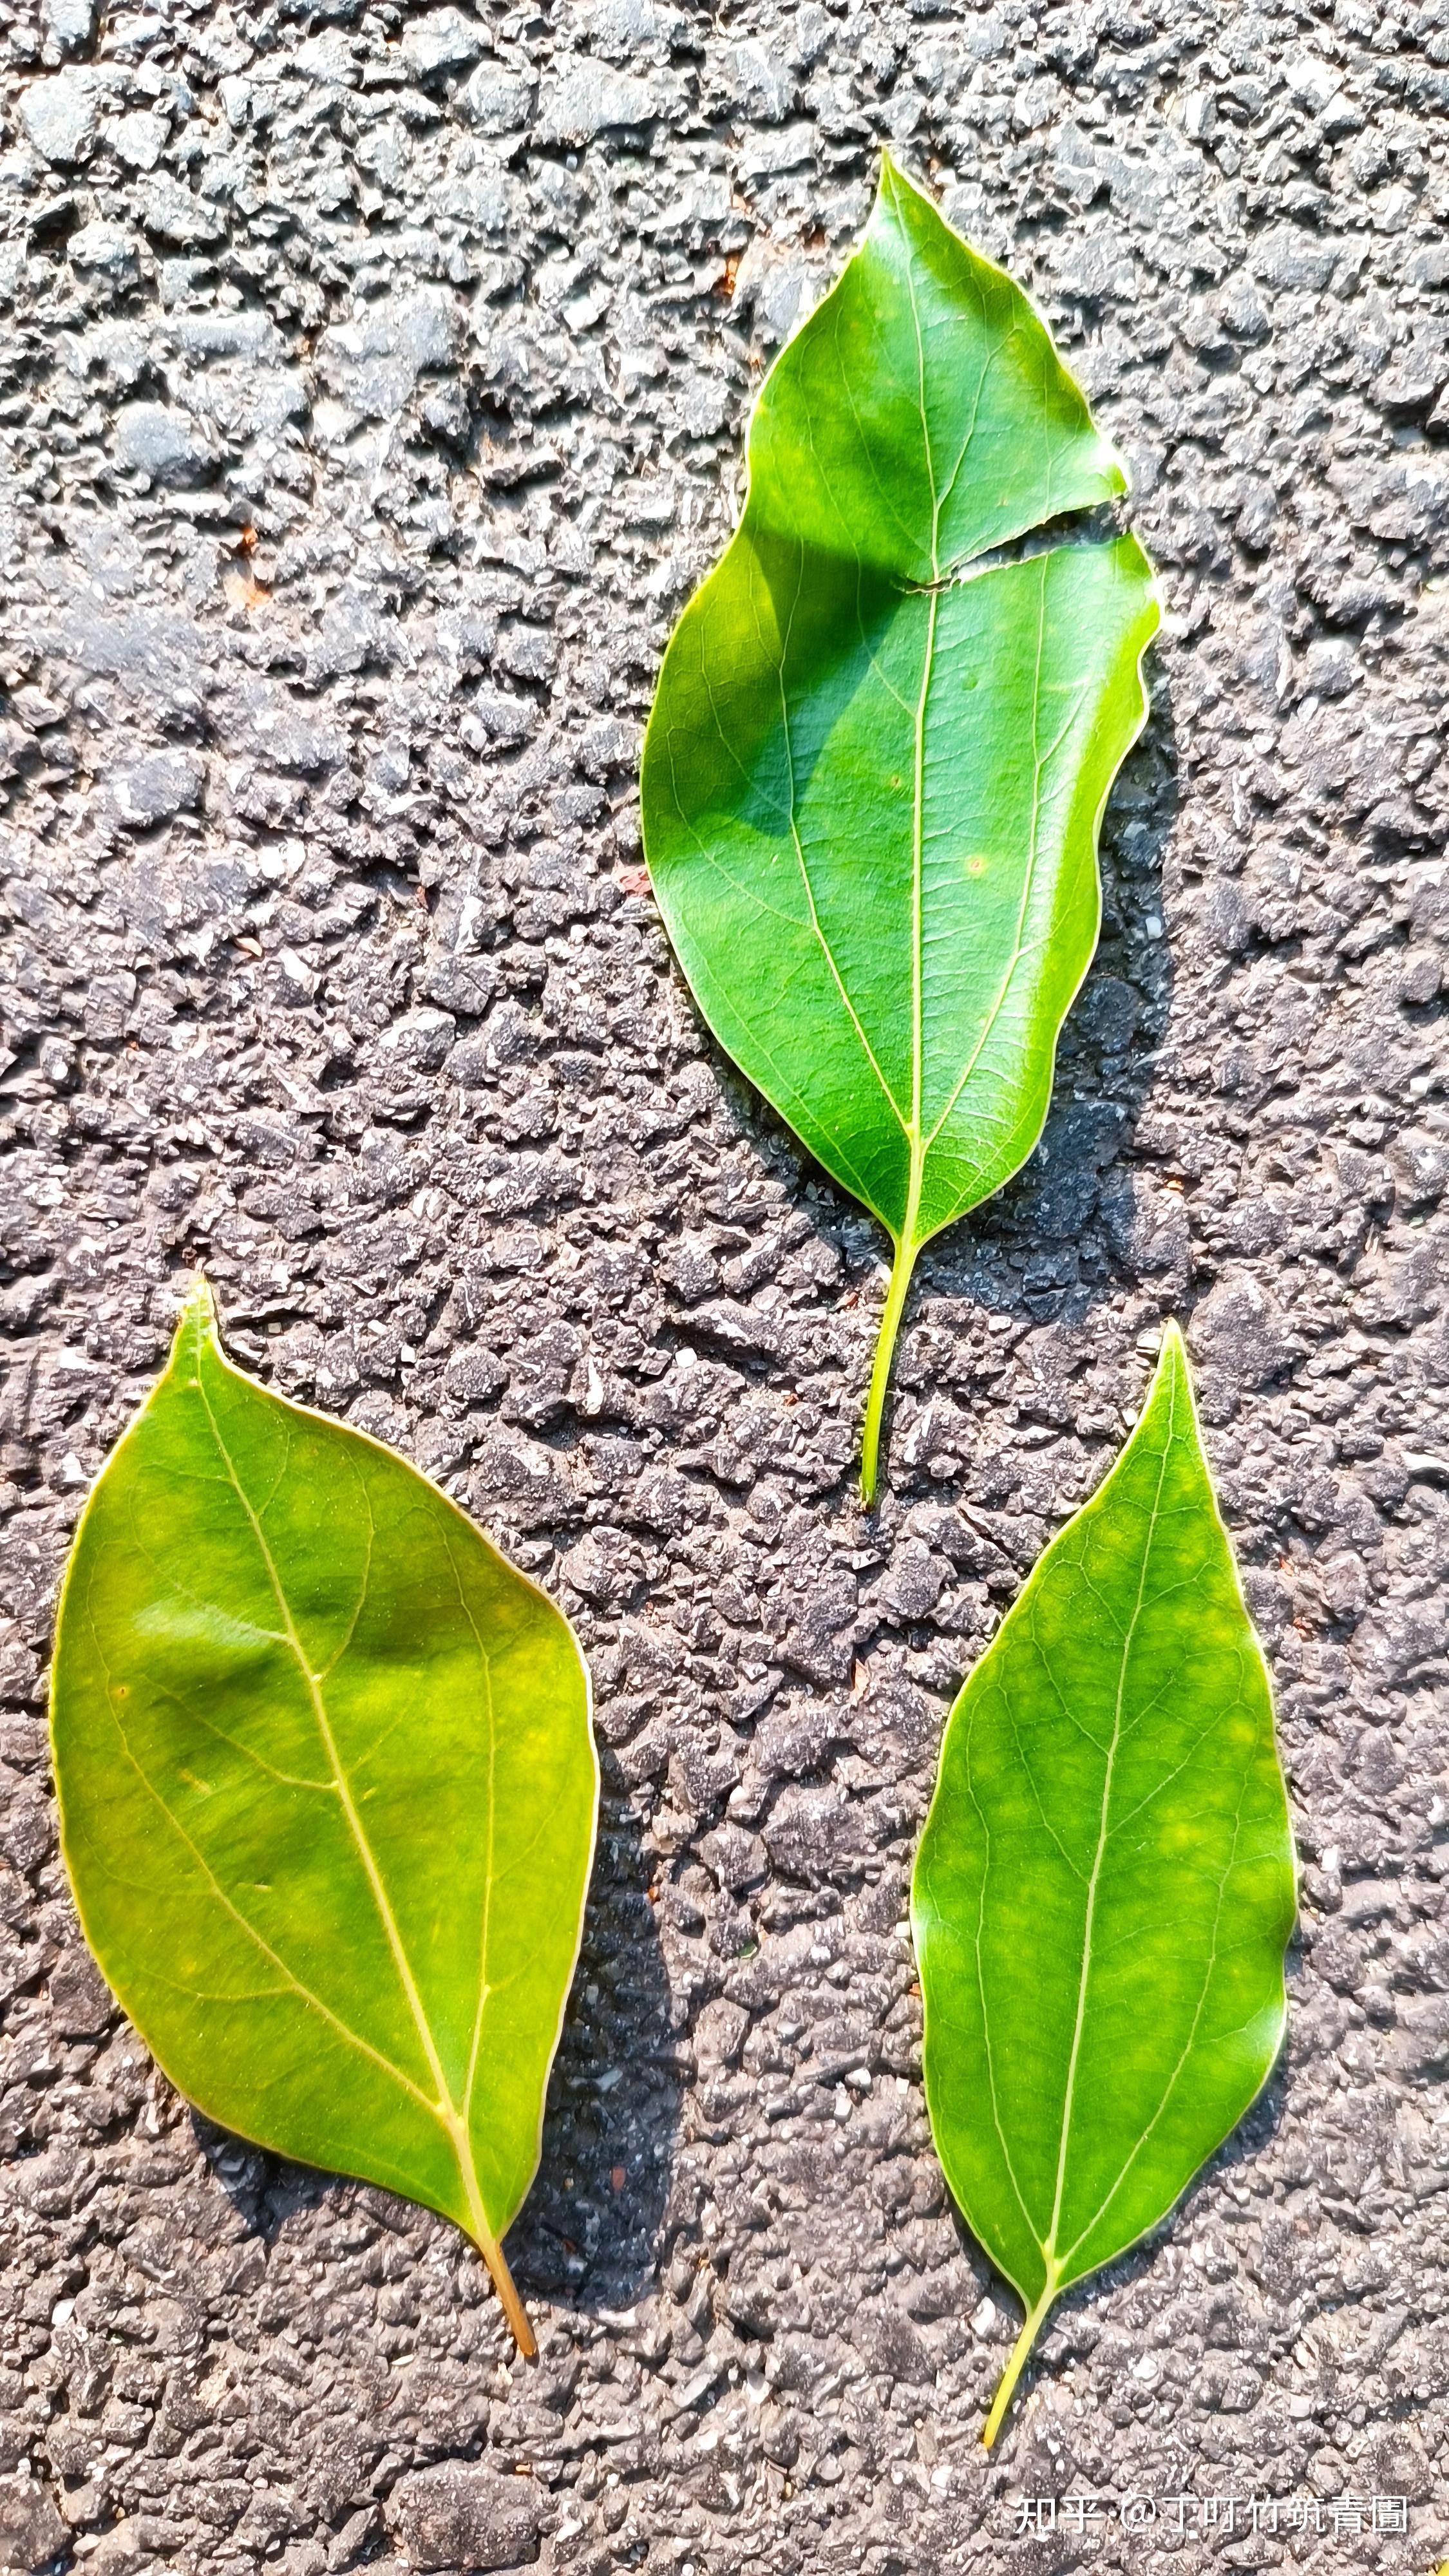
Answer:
(1086, 2046)
(282, 1762)
(872, 787)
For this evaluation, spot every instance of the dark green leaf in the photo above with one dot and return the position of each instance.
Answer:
(328, 1788)
(1104, 1889)
(873, 777)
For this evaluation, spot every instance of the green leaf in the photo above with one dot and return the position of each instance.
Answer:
(873, 778)
(328, 1788)
(1105, 1885)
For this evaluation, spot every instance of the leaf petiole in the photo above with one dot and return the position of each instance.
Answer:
(487, 2243)
(1036, 2317)
(896, 1294)
(508, 2298)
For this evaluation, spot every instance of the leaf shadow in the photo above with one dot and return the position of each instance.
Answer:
(269, 2192)
(1078, 1220)
(589, 2233)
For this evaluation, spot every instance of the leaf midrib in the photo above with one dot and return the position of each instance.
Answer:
(919, 1144)
(918, 782)
(1048, 2249)
(918, 1141)
(447, 2113)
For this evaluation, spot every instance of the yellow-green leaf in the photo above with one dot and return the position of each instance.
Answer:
(1105, 1887)
(328, 1791)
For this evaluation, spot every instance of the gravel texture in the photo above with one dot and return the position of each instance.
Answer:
(373, 397)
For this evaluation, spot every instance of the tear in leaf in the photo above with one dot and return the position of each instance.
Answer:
(328, 1789)
(872, 785)
(1105, 1888)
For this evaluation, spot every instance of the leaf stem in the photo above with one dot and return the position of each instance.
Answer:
(1017, 2363)
(485, 2240)
(508, 2298)
(904, 1264)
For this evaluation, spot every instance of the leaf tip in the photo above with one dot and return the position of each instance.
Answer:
(1172, 1362)
(897, 183)
(198, 1312)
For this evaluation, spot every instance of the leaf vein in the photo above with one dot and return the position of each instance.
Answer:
(373, 1874)
(228, 1905)
(1049, 2249)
